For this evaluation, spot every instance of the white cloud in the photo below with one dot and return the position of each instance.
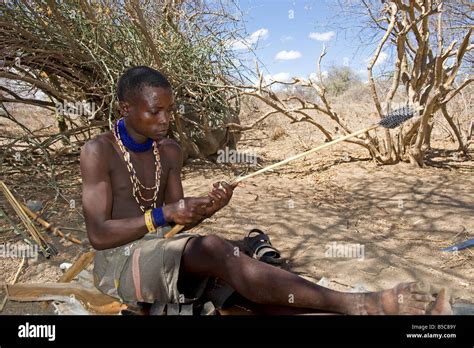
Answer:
(239, 44)
(363, 74)
(287, 55)
(315, 76)
(280, 77)
(382, 58)
(286, 38)
(258, 34)
(322, 36)
(249, 41)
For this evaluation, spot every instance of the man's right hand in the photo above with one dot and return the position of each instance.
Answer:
(186, 211)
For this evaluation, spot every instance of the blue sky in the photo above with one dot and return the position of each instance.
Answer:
(291, 34)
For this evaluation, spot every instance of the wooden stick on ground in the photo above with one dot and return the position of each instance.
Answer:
(92, 299)
(56, 231)
(5, 299)
(22, 263)
(82, 262)
(15, 278)
(178, 228)
(17, 230)
(39, 239)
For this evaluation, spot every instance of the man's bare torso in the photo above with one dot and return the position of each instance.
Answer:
(124, 204)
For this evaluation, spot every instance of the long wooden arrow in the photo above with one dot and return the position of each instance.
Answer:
(392, 120)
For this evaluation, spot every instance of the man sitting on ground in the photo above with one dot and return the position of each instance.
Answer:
(132, 193)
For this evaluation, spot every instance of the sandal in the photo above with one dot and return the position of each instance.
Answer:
(260, 248)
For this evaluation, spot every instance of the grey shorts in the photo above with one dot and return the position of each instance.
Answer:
(147, 270)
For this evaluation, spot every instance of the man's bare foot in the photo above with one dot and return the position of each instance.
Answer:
(405, 298)
(441, 305)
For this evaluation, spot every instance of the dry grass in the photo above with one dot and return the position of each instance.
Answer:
(277, 133)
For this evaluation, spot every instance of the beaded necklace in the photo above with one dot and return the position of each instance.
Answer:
(137, 186)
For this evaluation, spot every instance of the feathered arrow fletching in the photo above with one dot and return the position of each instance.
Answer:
(397, 117)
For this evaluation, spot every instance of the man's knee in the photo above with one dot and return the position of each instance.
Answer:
(207, 255)
(215, 246)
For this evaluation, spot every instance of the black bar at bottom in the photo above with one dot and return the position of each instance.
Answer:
(451, 331)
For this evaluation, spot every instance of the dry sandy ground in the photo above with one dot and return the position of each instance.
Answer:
(398, 215)
(401, 217)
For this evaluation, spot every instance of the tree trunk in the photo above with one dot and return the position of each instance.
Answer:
(457, 133)
(415, 155)
(427, 138)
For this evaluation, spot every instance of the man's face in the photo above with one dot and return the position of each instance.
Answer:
(148, 113)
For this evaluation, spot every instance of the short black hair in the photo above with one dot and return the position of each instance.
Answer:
(134, 79)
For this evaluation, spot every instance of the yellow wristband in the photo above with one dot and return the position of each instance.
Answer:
(149, 222)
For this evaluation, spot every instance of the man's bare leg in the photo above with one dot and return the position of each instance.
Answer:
(265, 284)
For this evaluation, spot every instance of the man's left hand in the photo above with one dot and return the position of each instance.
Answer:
(220, 195)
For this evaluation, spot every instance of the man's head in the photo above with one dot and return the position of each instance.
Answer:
(145, 99)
